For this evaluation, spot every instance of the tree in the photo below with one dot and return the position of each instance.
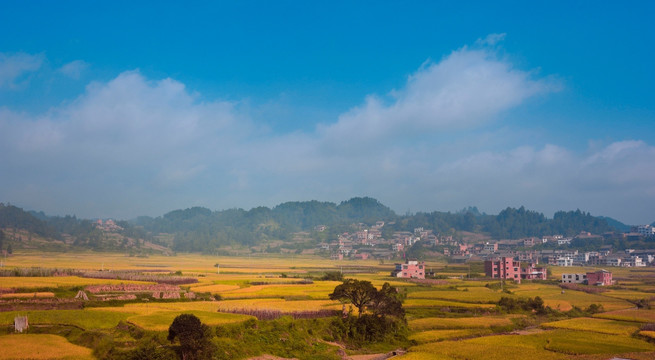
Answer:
(194, 337)
(358, 293)
(388, 301)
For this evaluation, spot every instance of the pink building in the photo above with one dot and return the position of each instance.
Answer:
(411, 269)
(531, 272)
(600, 277)
(503, 268)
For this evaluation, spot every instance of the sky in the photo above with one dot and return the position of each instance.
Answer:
(120, 109)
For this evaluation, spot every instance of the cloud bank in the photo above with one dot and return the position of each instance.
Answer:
(135, 146)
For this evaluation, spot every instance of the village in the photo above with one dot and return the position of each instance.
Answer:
(518, 259)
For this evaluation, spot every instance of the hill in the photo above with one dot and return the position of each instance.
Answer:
(199, 229)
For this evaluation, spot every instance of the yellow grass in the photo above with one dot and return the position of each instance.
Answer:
(28, 295)
(40, 346)
(595, 325)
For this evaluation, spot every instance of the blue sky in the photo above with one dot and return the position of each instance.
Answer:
(122, 109)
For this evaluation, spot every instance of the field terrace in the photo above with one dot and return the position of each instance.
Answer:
(450, 318)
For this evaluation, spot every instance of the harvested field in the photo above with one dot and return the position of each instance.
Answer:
(41, 346)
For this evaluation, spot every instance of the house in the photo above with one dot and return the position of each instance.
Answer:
(564, 261)
(503, 268)
(600, 278)
(411, 269)
(531, 272)
(574, 278)
(493, 247)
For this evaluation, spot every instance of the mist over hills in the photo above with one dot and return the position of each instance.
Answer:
(200, 229)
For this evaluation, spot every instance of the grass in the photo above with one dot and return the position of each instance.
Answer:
(470, 294)
(458, 323)
(40, 346)
(642, 316)
(443, 304)
(161, 320)
(440, 335)
(548, 345)
(595, 325)
(45, 294)
(56, 282)
(581, 342)
(88, 319)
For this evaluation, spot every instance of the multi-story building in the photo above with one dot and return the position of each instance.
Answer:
(503, 268)
(600, 278)
(531, 272)
(646, 230)
(411, 269)
(564, 261)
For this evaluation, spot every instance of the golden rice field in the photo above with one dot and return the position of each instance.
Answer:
(255, 264)
(317, 290)
(88, 319)
(160, 321)
(467, 294)
(549, 345)
(45, 294)
(279, 304)
(642, 316)
(459, 323)
(650, 334)
(440, 335)
(595, 325)
(260, 304)
(57, 282)
(628, 294)
(429, 303)
(41, 346)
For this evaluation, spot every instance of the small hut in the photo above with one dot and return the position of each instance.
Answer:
(20, 323)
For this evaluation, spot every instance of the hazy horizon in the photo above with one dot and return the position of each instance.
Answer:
(117, 110)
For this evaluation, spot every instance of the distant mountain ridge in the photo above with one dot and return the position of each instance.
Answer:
(204, 230)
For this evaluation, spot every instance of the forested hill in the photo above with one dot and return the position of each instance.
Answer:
(201, 229)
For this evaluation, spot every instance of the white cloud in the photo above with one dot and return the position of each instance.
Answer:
(74, 69)
(15, 67)
(465, 89)
(133, 146)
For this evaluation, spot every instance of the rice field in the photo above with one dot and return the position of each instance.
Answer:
(642, 316)
(603, 326)
(41, 346)
(459, 323)
(429, 303)
(57, 282)
(88, 319)
(550, 345)
(467, 294)
(42, 295)
(161, 320)
(440, 335)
